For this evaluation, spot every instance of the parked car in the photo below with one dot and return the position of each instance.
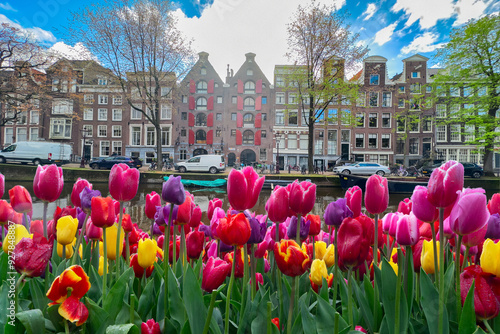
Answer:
(202, 163)
(37, 152)
(363, 168)
(108, 162)
(470, 169)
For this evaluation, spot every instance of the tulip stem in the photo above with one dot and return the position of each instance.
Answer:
(245, 280)
(297, 237)
(66, 326)
(45, 207)
(335, 269)
(457, 277)
(174, 248)
(63, 252)
(19, 287)
(210, 312)
(375, 263)
(290, 306)
(441, 274)
(269, 319)
(127, 248)
(118, 232)
(104, 262)
(466, 258)
(166, 258)
(488, 327)
(349, 299)
(229, 288)
(253, 270)
(183, 246)
(398, 293)
(79, 241)
(436, 263)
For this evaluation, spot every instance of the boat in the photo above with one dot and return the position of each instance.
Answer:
(395, 185)
(217, 183)
(270, 184)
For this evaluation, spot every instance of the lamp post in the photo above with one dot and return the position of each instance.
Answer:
(277, 154)
(84, 133)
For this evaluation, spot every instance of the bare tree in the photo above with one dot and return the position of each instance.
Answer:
(139, 42)
(320, 43)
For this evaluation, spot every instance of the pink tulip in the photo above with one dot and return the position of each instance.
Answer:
(93, 232)
(494, 204)
(390, 223)
(447, 231)
(123, 182)
(475, 238)
(2, 185)
(78, 187)
(376, 194)
(469, 213)
(20, 199)
(405, 206)
(421, 207)
(212, 204)
(214, 273)
(444, 183)
(302, 196)
(152, 201)
(407, 233)
(277, 205)
(48, 183)
(243, 188)
(5, 212)
(354, 197)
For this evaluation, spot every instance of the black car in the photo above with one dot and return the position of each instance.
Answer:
(470, 169)
(108, 162)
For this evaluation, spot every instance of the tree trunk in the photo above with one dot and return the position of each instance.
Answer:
(310, 144)
(159, 155)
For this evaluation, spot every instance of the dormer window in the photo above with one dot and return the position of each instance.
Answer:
(102, 81)
(415, 74)
(374, 79)
(249, 72)
(203, 71)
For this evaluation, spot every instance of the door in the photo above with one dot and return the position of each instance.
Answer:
(231, 158)
(281, 161)
(86, 152)
(193, 164)
(344, 151)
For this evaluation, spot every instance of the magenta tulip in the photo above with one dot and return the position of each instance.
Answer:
(123, 182)
(302, 196)
(152, 201)
(354, 197)
(214, 273)
(78, 187)
(243, 188)
(277, 205)
(48, 183)
(405, 206)
(475, 238)
(31, 256)
(407, 232)
(444, 183)
(469, 213)
(20, 199)
(390, 223)
(376, 194)
(2, 185)
(93, 232)
(212, 204)
(494, 204)
(421, 207)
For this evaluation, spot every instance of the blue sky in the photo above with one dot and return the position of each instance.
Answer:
(227, 29)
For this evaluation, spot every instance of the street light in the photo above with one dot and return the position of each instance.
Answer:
(277, 154)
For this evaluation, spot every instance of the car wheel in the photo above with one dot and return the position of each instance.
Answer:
(93, 166)
(476, 175)
(346, 171)
(2, 160)
(380, 172)
(182, 169)
(36, 162)
(212, 170)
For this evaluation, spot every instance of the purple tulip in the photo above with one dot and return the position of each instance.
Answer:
(162, 214)
(292, 228)
(156, 229)
(376, 194)
(86, 198)
(336, 212)
(224, 247)
(80, 215)
(444, 183)
(173, 190)
(407, 232)
(421, 207)
(469, 213)
(259, 229)
(493, 231)
(205, 229)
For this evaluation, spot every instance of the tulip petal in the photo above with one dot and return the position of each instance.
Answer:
(74, 310)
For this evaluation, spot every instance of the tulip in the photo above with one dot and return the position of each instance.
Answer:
(170, 250)
(259, 279)
(315, 226)
(100, 271)
(31, 256)
(152, 201)
(48, 183)
(14, 235)
(407, 233)
(146, 252)
(290, 258)
(36, 226)
(123, 182)
(444, 183)
(78, 187)
(166, 214)
(194, 244)
(421, 207)
(173, 190)
(243, 188)
(376, 194)
(212, 204)
(214, 273)
(318, 272)
(86, 196)
(150, 327)
(336, 212)
(103, 212)
(258, 230)
(276, 322)
(111, 235)
(2, 185)
(427, 256)
(353, 198)
(493, 231)
(66, 230)
(5, 212)
(240, 258)
(185, 210)
(139, 271)
(489, 257)
(302, 197)
(277, 205)
(234, 230)
(127, 223)
(469, 213)
(494, 204)
(405, 206)
(353, 242)
(390, 223)
(195, 220)
(93, 232)
(486, 291)
(20, 199)
(68, 252)
(304, 228)
(417, 252)
(475, 238)
(325, 253)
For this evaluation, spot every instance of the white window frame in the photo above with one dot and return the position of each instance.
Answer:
(102, 144)
(32, 131)
(8, 139)
(441, 129)
(100, 128)
(361, 136)
(116, 128)
(62, 107)
(385, 136)
(135, 114)
(371, 136)
(88, 114)
(18, 133)
(102, 114)
(292, 141)
(102, 99)
(86, 128)
(150, 136)
(115, 145)
(389, 104)
(280, 98)
(166, 111)
(65, 123)
(34, 117)
(137, 135)
(441, 110)
(117, 100)
(117, 115)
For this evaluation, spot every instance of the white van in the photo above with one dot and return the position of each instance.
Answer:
(202, 163)
(37, 152)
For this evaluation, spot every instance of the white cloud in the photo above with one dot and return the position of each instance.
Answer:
(36, 33)
(370, 11)
(423, 43)
(427, 11)
(470, 9)
(384, 35)
(77, 52)
(7, 6)
(230, 28)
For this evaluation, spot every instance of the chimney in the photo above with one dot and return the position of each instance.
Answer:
(203, 55)
(250, 57)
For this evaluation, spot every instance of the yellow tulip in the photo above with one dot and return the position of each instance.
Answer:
(66, 229)
(391, 261)
(490, 256)
(14, 235)
(146, 253)
(320, 249)
(427, 256)
(111, 233)
(318, 272)
(69, 250)
(101, 265)
(329, 256)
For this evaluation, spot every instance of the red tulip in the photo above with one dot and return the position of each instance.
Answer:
(376, 194)
(195, 217)
(93, 232)
(290, 258)
(36, 226)
(469, 213)
(185, 210)
(405, 206)
(127, 223)
(259, 279)
(171, 249)
(48, 183)
(494, 204)
(214, 273)
(486, 291)
(66, 211)
(234, 229)
(20, 199)
(150, 327)
(315, 226)
(353, 197)
(212, 204)
(243, 188)
(103, 212)
(417, 252)
(421, 207)
(444, 183)
(353, 242)
(276, 322)
(194, 244)
(123, 182)
(138, 270)
(31, 256)
(5, 212)
(78, 187)
(152, 201)
(302, 197)
(277, 205)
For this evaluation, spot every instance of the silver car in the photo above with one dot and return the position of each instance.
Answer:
(363, 168)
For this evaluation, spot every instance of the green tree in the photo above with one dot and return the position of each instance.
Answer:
(322, 49)
(469, 84)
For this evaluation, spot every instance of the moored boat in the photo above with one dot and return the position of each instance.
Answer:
(396, 186)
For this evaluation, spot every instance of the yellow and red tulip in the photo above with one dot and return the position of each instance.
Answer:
(290, 258)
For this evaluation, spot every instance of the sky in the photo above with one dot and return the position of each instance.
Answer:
(227, 29)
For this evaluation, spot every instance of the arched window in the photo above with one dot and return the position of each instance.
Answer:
(248, 119)
(201, 87)
(201, 120)
(248, 137)
(249, 104)
(249, 87)
(201, 103)
(201, 137)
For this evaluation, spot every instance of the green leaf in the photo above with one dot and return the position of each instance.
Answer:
(308, 320)
(410, 279)
(98, 318)
(4, 259)
(123, 329)
(54, 317)
(146, 301)
(365, 309)
(4, 305)
(177, 306)
(325, 317)
(32, 320)
(39, 298)
(116, 294)
(429, 301)
(259, 323)
(388, 294)
(468, 319)
(193, 301)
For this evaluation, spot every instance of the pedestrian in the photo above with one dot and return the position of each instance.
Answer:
(289, 169)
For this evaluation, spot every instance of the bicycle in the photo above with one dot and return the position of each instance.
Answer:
(152, 166)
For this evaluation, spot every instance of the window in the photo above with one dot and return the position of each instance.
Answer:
(166, 111)
(88, 130)
(455, 91)
(280, 117)
(248, 119)
(166, 92)
(34, 117)
(428, 89)
(415, 88)
(386, 120)
(415, 104)
(441, 110)
(102, 99)
(263, 154)
(280, 98)
(292, 118)
(264, 99)
(117, 147)
(134, 113)
(200, 137)
(102, 131)
(292, 98)
(360, 140)
(248, 137)
(401, 103)
(332, 142)
(219, 99)
(345, 117)
(303, 142)
(102, 81)
(150, 136)
(374, 79)
(218, 133)
(413, 146)
(184, 116)
(414, 124)
(455, 132)
(136, 136)
(201, 87)
(468, 91)
(234, 99)
(249, 104)
(426, 124)
(469, 130)
(441, 133)
(264, 116)
(62, 107)
(117, 114)
(117, 100)
(201, 103)
(182, 154)
(400, 146)
(386, 140)
(33, 134)
(60, 128)
(318, 146)
(263, 134)
(183, 132)
(233, 133)
(292, 141)
(165, 136)
(249, 72)
(249, 87)
(218, 117)
(372, 140)
(104, 148)
(22, 134)
(401, 89)
(386, 99)
(117, 131)
(401, 124)
(373, 99)
(372, 120)
(481, 91)
(454, 110)
(360, 120)
(415, 74)
(233, 116)
(184, 99)
(280, 82)
(102, 114)
(203, 71)
(9, 133)
(361, 100)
